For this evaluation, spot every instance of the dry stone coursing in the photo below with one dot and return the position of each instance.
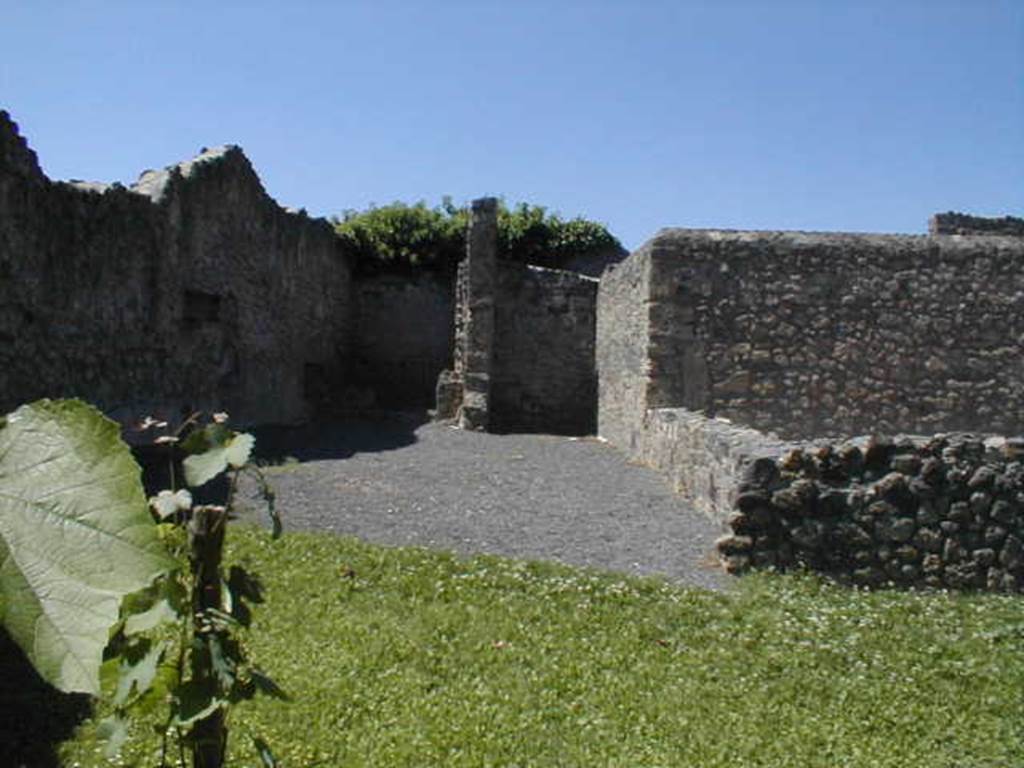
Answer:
(940, 512)
(192, 289)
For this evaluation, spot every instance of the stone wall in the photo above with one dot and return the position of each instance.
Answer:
(543, 377)
(404, 336)
(961, 224)
(190, 290)
(830, 334)
(524, 342)
(940, 512)
(622, 343)
(711, 345)
(705, 460)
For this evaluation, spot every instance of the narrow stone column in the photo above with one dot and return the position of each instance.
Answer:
(482, 256)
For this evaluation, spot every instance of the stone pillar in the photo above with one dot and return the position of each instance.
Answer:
(481, 264)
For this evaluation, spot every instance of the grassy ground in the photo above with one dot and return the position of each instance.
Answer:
(414, 658)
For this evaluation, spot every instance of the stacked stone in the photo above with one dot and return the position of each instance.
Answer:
(947, 512)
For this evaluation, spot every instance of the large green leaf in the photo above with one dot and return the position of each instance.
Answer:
(200, 468)
(75, 537)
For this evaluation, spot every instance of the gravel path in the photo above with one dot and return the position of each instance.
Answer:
(574, 500)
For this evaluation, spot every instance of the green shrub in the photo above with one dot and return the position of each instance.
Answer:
(401, 236)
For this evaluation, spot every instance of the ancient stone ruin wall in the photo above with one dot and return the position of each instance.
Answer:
(834, 334)
(404, 337)
(942, 512)
(711, 344)
(543, 376)
(524, 342)
(622, 342)
(192, 289)
(703, 459)
(961, 224)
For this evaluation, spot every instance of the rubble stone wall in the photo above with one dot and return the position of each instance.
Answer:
(942, 512)
(705, 460)
(192, 289)
(404, 336)
(524, 342)
(543, 376)
(834, 334)
(622, 343)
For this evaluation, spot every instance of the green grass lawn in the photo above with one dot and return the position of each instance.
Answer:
(406, 657)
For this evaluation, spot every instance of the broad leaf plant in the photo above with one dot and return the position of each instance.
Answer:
(108, 592)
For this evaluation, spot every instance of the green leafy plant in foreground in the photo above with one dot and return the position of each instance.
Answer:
(95, 578)
(75, 537)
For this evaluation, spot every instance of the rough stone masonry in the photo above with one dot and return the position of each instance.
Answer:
(190, 290)
(728, 359)
(524, 342)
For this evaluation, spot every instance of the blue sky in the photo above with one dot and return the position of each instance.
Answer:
(843, 115)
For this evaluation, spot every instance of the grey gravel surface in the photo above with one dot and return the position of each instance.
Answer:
(538, 497)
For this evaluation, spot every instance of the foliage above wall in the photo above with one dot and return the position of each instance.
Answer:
(402, 236)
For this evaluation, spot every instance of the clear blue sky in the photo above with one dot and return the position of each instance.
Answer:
(829, 115)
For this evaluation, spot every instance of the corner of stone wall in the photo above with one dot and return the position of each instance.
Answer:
(705, 460)
(464, 393)
(621, 350)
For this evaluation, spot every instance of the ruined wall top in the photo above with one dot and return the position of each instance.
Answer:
(706, 244)
(963, 224)
(154, 184)
(16, 157)
(228, 163)
(193, 289)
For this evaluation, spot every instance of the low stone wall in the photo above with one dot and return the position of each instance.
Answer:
(704, 459)
(939, 512)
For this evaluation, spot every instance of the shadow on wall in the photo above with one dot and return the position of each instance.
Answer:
(34, 716)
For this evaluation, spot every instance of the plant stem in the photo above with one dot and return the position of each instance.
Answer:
(206, 534)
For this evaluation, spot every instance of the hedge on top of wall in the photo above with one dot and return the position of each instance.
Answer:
(401, 236)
